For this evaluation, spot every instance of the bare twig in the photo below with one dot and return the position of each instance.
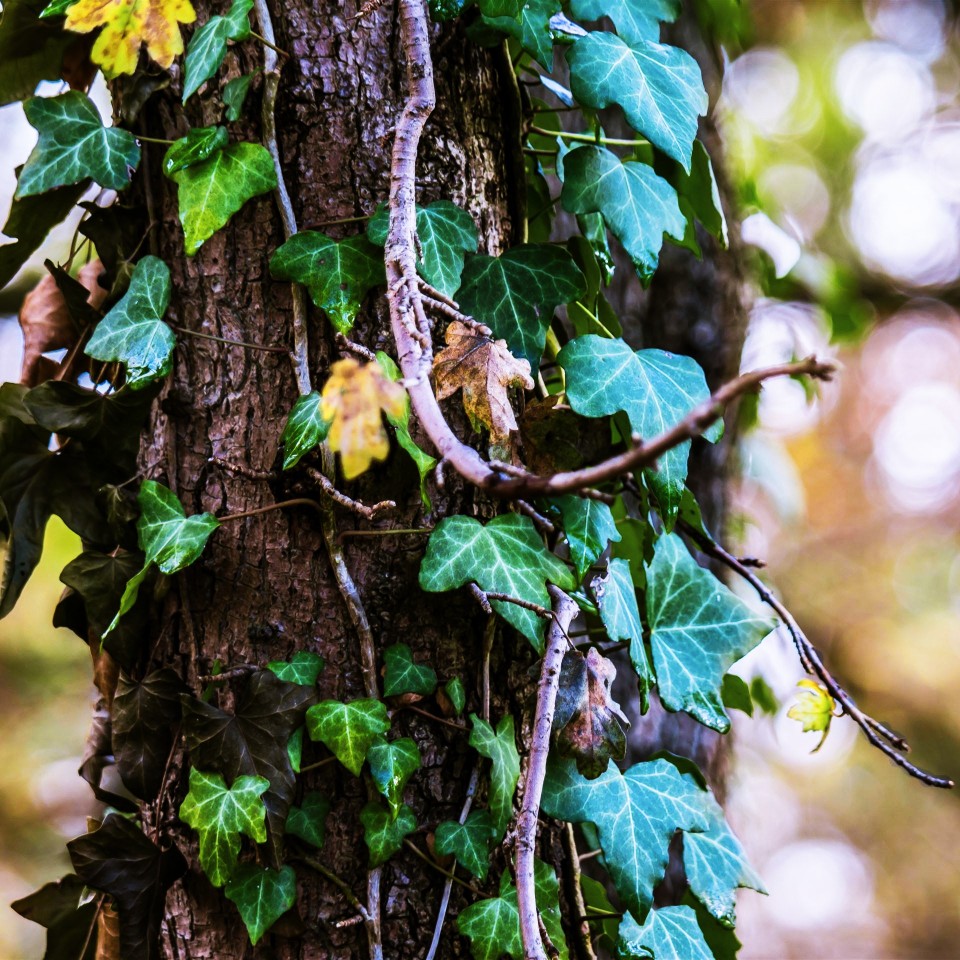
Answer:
(242, 469)
(295, 502)
(240, 670)
(339, 883)
(233, 343)
(545, 525)
(564, 610)
(358, 349)
(432, 716)
(450, 875)
(526, 604)
(327, 486)
(586, 942)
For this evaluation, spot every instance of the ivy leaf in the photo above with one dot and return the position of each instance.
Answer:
(456, 694)
(634, 19)
(305, 429)
(303, 667)
(587, 721)
(505, 556)
(735, 694)
(62, 909)
(211, 192)
(262, 896)
(353, 399)
(667, 932)
(485, 370)
(500, 748)
(234, 95)
(500, 8)
(145, 717)
(338, 275)
(445, 233)
(698, 630)
(658, 87)
(127, 25)
(384, 832)
(654, 388)
(220, 815)
(251, 741)
(638, 206)
(636, 814)
(133, 332)
(198, 145)
(295, 749)
(469, 842)
(392, 763)
(401, 675)
(515, 294)
(348, 730)
(815, 709)
(617, 600)
(532, 31)
(208, 45)
(119, 860)
(308, 820)
(31, 49)
(73, 145)
(700, 199)
(588, 526)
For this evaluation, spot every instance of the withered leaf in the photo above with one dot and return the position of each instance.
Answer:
(485, 370)
(588, 723)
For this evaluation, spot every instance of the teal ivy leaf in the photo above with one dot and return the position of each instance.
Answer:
(469, 842)
(505, 556)
(235, 94)
(303, 667)
(445, 233)
(305, 429)
(392, 763)
(210, 193)
(700, 199)
(698, 630)
(208, 45)
(308, 820)
(401, 675)
(636, 204)
(133, 332)
(500, 747)
(634, 19)
(658, 87)
(338, 275)
(617, 600)
(654, 388)
(456, 694)
(588, 526)
(383, 832)
(198, 145)
(636, 814)
(348, 730)
(667, 932)
(532, 31)
(262, 896)
(515, 294)
(74, 145)
(220, 815)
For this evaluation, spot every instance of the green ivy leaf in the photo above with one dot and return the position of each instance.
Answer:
(445, 233)
(234, 95)
(516, 293)
(198, 145)
(308, 821)
(338, 275)
(634, 19)
(456, 694)
(392, 763)
(401, 675)
(654, 388)
(220, 815)
(469, 842)
(303, 667)
(208, 45)
(636, 814)
(505, 556)
(210, 193)
(588, 526)
(305, 429)
(74, 145)
(735, 694)
(658, 87)
(295, 749)
(532, 31)
(262, 896)
(667, 932)
(636, 204)
(500, 8)
(383, 832)
(698, 630)
(700, 199)
(348, 730)
(500, 748)
(617, 600)
(133, 332)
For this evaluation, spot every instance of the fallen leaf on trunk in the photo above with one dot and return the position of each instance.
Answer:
(485, 370)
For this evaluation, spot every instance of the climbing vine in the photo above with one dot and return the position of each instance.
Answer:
(607, 541)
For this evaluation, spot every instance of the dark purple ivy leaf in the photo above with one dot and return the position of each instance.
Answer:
(69, 923)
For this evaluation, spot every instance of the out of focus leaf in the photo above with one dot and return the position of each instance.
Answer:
(814, 709)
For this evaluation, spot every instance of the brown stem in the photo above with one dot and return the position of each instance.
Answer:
(586, 942)
(326, 484)
(432, 716)
(452, 877)
(295, 502)
(234, 343)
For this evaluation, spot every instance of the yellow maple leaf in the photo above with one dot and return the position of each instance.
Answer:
(127, 24)
(352, 400)
(815, 709)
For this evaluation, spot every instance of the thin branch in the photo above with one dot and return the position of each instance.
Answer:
(545, 525)
(339, 883)
(358, 349)
(233, 343)
(391, 532)
(526, 604)
(432, 716)
(270, 507)
(588, 138)
(879, 736)
(564, 610)
(452, 877)
(317, 765)
(586, 942)
(327, 486)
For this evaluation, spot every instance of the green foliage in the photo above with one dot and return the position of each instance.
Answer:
(303, 667)
(634, 19)
(588, 526)
(500, 747)
(308, 820)
(305, 429)
(383, 832)
(348, 730)
(199, 144)
(392, 763)
(208, 45)
(235, 94)
(262, 896)
(667, 932)
(700, 199)
(401, 675)
(31, 49)
(469, 841)
(456, 694)
(532, 30)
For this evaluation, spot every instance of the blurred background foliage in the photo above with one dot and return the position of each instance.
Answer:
(842, 125)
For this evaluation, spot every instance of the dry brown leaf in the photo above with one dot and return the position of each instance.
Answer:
(485, 370)
(46, 323)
